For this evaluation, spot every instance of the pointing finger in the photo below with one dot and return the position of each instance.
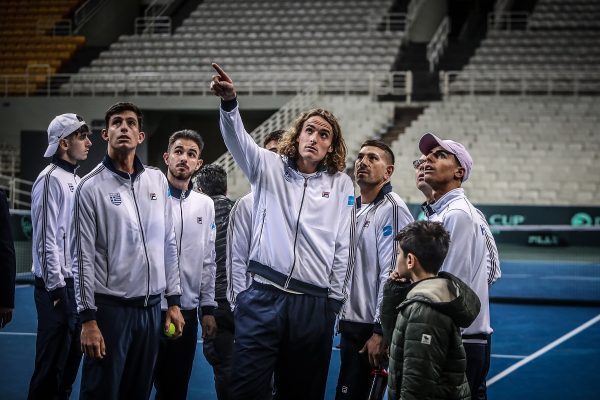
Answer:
(221, 73)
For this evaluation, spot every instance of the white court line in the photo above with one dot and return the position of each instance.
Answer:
(17, 334)
(507, 356)
(543, 350)
(571, 278)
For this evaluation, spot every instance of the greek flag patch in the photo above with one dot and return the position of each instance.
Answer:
(387, 230)
(115, 198)
(350, 200)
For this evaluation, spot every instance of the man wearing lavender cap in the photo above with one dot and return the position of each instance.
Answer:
(447, 166)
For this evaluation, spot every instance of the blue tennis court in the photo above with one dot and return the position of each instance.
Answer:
(539, 352)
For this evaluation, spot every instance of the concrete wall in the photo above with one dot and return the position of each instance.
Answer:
(25, 120)
(113, 18)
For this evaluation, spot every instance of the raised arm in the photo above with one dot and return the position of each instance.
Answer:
(245, 151)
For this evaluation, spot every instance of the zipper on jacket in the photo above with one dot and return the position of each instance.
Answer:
(65, 249)
(143, 241)
(181, 233)
(289, 278)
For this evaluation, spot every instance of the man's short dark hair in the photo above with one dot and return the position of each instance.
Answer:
(186, 134)
(212, 180)
(119, 108)
(275, 135)
(382, 146)
(428, 241)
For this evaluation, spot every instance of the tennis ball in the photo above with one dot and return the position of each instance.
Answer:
(171, 331)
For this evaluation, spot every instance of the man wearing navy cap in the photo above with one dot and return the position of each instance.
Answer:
(448, 164)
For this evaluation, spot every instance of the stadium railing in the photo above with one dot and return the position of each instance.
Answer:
(397, 83)
(516, 20)
(19, 191)
(438, 43)
(522, 82)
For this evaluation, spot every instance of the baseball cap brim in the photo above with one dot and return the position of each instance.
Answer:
(51, 150)
(429, 141)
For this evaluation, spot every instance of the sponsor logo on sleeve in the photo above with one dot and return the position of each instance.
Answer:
(387, 230)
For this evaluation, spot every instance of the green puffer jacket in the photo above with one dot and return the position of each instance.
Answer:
(421, 321)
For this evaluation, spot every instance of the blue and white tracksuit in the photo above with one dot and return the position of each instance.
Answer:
(239, 236)
(473, 258)
(300, 255)
(58, 351)
(124, 258)
(377, 224)
(194, 221)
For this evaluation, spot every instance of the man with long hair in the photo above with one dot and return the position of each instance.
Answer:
(300, 253)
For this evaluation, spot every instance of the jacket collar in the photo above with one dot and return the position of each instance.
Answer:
(385, 189)
(290, 164)
(67, 166)
(176, 193)
(443, 201)
(138, 167)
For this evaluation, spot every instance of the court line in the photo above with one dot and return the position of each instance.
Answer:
(543, 350)
(17, 334)
(507, 356)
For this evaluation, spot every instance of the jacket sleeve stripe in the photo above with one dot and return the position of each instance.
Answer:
(352, 253)
(46, 189)
(77, 224)
(228, 250)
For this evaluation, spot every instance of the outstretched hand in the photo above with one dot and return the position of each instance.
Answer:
(222, 85)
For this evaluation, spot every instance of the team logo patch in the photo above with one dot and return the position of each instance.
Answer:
(71, 187)
(325, 194)
(115, 198)
(426, 339)
(199, 220)
(387, 230)
(153, 196)
(350, 200)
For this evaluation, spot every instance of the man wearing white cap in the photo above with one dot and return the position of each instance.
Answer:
(57, 344)
(447, 166)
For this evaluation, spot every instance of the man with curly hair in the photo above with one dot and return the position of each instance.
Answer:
(300, 253)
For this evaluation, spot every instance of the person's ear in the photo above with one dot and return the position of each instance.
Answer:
(166, 158)
(200, 164)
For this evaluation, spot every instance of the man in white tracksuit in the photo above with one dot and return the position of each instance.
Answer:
(493, 261)
(239, 234)
(194, 217)
(448, 164)
(380, 215)
(300, 254)
(124, 258)
(58, 353)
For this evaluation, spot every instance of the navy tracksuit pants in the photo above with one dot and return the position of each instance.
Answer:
(176, 358)
(478, 351)
(289, 335)
(131, 335)
(57, 345)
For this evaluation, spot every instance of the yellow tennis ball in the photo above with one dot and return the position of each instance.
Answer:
(171, 331)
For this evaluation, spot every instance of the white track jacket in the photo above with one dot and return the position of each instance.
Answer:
(377, 224)
(52, 197)
(123, 246)
(194, 217)
(468, 255)
(302, 226)
(239, 236)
